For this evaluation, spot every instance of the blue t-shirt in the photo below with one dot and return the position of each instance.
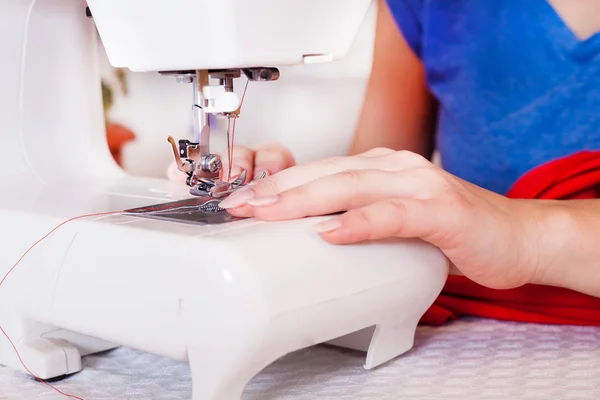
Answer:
(516, 88)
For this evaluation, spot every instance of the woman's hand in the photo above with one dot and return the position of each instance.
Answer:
(489, 238)
(269, 157)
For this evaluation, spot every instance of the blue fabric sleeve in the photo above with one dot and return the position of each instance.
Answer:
(407, 14)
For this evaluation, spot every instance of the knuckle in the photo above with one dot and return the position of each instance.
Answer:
(243, 151)
(360, 225)
(378, 151)
(383, 150)
(429, 183)
(398, 208)
(459, 203)
(408, 157)
(351, 177)
(431, 174)
(398, 214)
(274, 156)
(241, 157)
(269, 186)
(306, 194)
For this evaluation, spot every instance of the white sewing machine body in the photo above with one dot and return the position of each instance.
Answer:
(228, 298)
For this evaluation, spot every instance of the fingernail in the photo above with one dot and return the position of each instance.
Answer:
(262, 201)
(328, 226)
(237, 198)
(260, 175)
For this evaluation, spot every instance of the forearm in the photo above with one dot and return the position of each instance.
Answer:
(398, 111)
(569, 245)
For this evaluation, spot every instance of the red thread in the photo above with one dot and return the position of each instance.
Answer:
(12, 269)
(234, 120)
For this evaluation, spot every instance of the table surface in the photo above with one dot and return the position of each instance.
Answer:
(467, 359)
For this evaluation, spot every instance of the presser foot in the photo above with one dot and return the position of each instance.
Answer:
(204, 169)
(217, 189)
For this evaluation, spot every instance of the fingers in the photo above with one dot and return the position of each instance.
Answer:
(376, 159)
(264, 192)
(340, 192)
(322, 196)
(243, 159)
(407, 218)
(272, 157)
(236, 204)
(308, 172)
(346, 191)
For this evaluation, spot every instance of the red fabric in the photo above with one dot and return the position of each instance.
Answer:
(573, 177)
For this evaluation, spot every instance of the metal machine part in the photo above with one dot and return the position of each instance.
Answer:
(253, 74)
(217, 188)
(195, 159)
(203, 169)
(219, 99)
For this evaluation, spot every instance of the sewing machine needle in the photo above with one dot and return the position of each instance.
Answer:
(205, 140)
(229, 160)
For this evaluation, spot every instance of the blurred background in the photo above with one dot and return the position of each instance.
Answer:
(312, 109)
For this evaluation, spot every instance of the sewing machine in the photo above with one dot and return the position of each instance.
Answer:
(228, 298)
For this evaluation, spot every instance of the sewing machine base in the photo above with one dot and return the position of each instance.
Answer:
(229, 299)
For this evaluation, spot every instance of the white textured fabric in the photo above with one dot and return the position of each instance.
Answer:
(469, 359)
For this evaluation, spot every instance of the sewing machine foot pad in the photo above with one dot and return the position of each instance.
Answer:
(50, 358)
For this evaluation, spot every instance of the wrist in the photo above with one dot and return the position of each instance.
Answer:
(552, 223)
